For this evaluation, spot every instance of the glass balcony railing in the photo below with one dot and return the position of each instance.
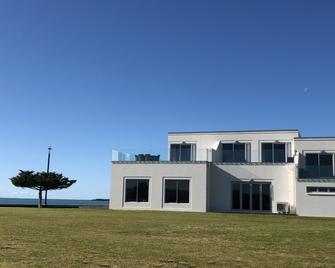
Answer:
(316, 172)
(160, 155)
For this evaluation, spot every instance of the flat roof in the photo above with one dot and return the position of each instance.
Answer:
(233, 131)
(316, 138)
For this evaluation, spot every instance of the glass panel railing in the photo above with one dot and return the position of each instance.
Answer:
(161, 155)
(316, 172)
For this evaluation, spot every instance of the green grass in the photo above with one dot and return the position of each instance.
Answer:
(104, 238)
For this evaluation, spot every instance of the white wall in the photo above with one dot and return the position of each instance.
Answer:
(205, 141)
(156, 172)
(312, 204)
(281, 176)
(315, 144)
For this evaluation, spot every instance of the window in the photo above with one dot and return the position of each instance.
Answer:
(319, 165)
(320, 189)
(182, 152)
(266, 196)
(236, 195)
(326, 165)
(256, 205)
(234, 152)
(312, 165)
(245, 196)
(137, 190)
(255, 196)
(273, 152)
(177, 191)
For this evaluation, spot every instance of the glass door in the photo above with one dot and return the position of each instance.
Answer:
(251, 196)
(256, 196)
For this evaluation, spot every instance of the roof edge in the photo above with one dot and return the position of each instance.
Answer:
(316, 138)
(233, 131)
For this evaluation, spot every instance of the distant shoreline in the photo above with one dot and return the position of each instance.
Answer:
(55, 202)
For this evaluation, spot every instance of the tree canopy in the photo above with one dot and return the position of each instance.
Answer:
(41, 181)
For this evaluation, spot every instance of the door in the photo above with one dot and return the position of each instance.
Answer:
(251, 196)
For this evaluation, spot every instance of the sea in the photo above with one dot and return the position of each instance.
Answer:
(56, 202)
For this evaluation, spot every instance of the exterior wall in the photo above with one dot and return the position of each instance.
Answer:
(156, 173)
(281, 176)
(310, 204)
(212, 141)
(315, 144)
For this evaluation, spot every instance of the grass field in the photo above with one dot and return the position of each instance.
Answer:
(104, 238)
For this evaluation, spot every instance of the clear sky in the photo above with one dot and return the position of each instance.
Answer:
(90, 76)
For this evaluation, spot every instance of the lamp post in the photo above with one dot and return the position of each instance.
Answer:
(48, 166)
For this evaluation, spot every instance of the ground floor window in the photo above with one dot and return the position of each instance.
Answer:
(251, 196)
(177, 191)
(137, 190)
(310, 189)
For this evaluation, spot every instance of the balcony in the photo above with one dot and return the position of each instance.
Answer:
(316, 172)
(160, 155)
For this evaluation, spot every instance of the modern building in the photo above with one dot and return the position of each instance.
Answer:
(267, 171)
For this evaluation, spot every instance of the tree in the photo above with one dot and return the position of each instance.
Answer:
(54, 181)
(41, 181)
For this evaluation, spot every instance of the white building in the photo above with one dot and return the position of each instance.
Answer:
(271, 171)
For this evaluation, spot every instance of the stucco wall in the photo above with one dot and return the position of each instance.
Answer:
(313, 204)
(281, 176)
(205, 141)
(156, 172)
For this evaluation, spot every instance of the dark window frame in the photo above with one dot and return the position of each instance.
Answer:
(138, 180)
(273, 151)
(179, 156)
(234, 156)
(261, 187)
(177, 193)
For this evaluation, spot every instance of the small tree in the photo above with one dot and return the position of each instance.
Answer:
(41, 181)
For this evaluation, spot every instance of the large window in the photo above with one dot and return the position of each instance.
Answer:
(234, 152)
(254, 196)
(182, 152)
(273, 152)
(319, 165)
(137, 190)
(177, 191)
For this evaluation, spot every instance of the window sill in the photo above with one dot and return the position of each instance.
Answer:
(136, 205)
(321, 194)
(176, 205)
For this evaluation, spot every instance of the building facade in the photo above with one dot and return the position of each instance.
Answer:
(271, 171)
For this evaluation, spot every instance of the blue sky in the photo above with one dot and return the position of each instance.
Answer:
(90, 76)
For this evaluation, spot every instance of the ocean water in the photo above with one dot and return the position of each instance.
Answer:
(69, 202)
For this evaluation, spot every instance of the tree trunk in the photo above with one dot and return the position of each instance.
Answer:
(46, 198)
(40, 198)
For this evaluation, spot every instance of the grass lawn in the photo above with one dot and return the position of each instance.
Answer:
(105, 238)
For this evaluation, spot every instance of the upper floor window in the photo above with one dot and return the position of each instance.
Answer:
(182, 152)
(274, 152)
(319, 165)
(235, 152)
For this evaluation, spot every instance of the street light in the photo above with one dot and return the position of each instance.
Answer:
(48, 166)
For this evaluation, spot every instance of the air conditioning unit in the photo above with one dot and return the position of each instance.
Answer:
(283, 208)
